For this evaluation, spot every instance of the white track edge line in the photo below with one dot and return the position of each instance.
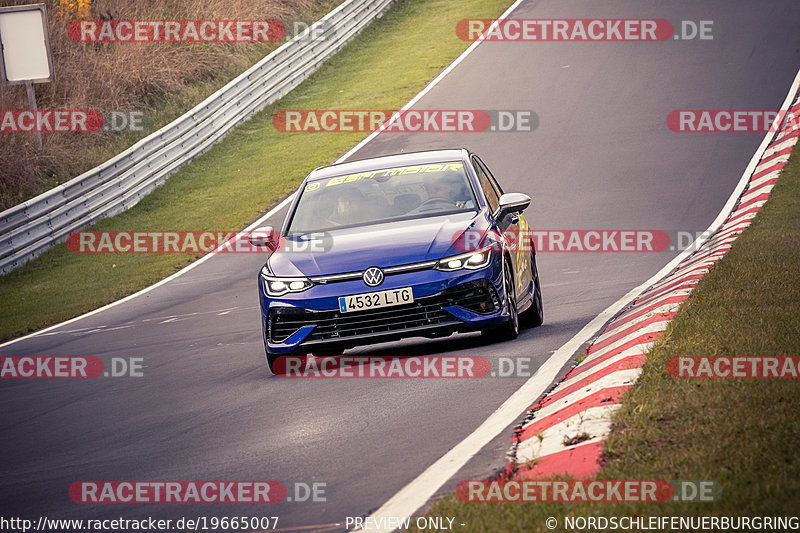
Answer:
(264, 217)
(414, 495)
(171, 277)
(270, 213)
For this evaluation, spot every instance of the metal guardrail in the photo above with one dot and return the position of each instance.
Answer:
(30, 228)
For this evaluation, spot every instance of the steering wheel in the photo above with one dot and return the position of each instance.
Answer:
(432, 204)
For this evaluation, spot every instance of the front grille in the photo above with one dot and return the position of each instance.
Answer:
(477, 296)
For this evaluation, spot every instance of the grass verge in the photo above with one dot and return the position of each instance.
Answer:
(740, 433)
(158, 80)
(252, 169)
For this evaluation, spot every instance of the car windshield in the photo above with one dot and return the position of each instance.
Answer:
(383, 195)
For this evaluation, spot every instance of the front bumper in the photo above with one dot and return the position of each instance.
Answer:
(444, 302)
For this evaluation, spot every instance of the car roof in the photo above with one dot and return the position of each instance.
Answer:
(389, 161)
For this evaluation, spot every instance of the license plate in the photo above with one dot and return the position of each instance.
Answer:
(373, 300)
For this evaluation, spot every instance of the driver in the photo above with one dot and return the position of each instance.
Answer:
(349, 206)
(447, 188)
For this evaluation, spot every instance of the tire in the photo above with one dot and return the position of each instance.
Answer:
(510, 329)
(533, 317)
(277, 363)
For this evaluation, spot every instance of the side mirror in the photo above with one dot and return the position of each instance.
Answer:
(513, 202)
(267, 237)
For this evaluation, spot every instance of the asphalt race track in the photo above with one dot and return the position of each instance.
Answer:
(208, 408)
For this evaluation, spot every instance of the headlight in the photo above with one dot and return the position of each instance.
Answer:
(280, 286)
(470, 260)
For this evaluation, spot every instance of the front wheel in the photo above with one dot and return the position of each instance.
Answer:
(510, 329)
(534, 316)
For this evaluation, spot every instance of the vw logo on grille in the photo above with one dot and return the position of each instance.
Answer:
(373, 276)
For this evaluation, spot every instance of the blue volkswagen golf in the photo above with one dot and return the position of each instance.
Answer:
(422, 244)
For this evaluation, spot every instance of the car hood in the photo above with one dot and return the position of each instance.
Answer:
(382, 245)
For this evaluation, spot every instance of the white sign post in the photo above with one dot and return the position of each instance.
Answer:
(25, 54)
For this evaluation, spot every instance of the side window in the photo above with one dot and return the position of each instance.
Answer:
(490, 188)
(497, 186)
